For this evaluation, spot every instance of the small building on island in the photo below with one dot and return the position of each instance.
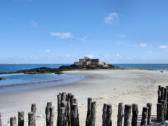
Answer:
(86, 61)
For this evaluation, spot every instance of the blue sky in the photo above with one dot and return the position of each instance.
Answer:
(61, 31)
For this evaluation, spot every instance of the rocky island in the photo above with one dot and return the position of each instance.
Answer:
(88, 63)
(83, 64)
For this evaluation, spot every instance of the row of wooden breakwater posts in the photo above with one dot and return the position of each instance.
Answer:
(68, 115)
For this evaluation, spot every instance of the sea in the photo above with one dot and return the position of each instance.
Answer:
(21, 82)
(16, 82)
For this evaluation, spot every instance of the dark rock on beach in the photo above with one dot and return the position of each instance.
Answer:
(40, 70)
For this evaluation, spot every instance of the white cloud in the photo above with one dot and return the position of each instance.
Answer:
(61, 35)
(111, 18)
(163, 46)
(143, 44)
(47, 51)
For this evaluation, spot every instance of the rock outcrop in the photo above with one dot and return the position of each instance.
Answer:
(88, 63)
(83, 64)
(40, 70)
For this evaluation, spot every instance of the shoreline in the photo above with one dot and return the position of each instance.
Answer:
(63, 79)
(104, 86)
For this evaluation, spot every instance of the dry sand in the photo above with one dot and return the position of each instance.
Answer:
(105, 86)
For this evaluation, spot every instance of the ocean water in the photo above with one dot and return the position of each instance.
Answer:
(15, 67)
(15, 82)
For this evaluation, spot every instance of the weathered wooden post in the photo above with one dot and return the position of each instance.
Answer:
(165, 94)
(63, 96)
(33, 108)
(93, 114)
(74, 115)
(104, 115)
(160, 112)
(13, 121)
(144, 116)
(69, 108)
(31, 119)
(120, 114)
(134, 114)
(62, 117)
(89, 106)
(20, 118)
(127, 115)
(107, 118)
(164, 103)
(159, 93)
(58, 108)
(71, 99)
(162, 93)
(167, 102)
(0, 120)
(92, 117)
(149, 105)
(49, 114)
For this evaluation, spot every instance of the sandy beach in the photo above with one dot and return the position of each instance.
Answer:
(104, 86)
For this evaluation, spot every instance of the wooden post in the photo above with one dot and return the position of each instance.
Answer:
(58, 108)
(62, 117)
(20, 118)
(69, 108)
(74, 115)
(33, 108)
(120, 114)
(0, 120)
(31, 119)
(127, 115)
(71, 96)
(92, 117)
(108, 115)
(159, 93)
(149, 105)
(167, 102)
(49, 114)
(162, 93)
(144, 116)
(89, 106)
(160, 112)
(93, 114)
(165, 94)
(63, 96)
(134, 114)
(164, 103)
(104, 115)
(13, 121)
